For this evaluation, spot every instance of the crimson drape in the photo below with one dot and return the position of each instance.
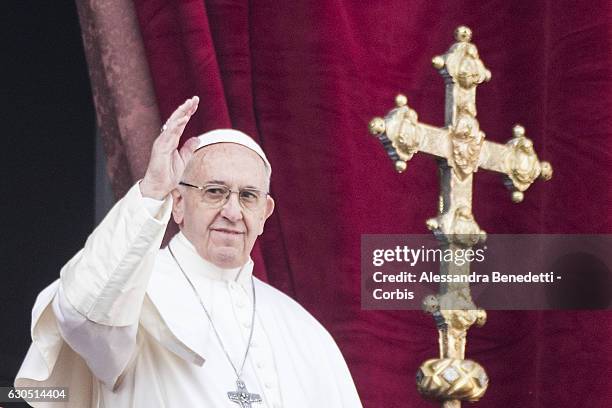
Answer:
(305, 77)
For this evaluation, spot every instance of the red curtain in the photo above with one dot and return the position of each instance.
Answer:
(305, 77)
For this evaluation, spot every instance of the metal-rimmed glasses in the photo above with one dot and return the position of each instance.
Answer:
(217, 195)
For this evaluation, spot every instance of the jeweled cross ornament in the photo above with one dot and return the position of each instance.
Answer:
(461, 149)
(242, 396)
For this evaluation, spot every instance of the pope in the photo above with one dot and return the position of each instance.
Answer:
(130, 325)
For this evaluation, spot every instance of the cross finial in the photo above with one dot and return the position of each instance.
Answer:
(463, 34)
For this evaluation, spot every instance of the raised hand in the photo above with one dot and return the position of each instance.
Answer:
(167, 163)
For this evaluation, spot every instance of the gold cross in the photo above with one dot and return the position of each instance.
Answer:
(461, 149)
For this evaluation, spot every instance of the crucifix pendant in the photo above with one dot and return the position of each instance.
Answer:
(241, 396)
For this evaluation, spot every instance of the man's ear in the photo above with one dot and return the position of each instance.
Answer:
(178, 206)
(268, 212)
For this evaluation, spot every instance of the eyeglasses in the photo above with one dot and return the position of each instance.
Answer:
(217, 195)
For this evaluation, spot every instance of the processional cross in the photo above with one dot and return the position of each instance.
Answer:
(460, 148)
(242, 396)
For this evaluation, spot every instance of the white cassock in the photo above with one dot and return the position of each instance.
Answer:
(123, 328)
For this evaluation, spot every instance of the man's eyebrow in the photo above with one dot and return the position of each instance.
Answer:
(223, 183)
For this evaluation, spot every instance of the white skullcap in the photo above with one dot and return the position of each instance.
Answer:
(233, 136)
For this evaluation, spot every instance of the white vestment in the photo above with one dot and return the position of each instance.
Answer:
(123, 328)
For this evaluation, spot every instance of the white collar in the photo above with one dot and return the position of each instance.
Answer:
(195, 264)
(174, 299)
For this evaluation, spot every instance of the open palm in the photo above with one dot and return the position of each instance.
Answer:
(167, 162)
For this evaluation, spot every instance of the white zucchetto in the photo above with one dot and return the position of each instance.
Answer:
(233, 136)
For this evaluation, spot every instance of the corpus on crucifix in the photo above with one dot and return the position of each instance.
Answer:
(460, 149)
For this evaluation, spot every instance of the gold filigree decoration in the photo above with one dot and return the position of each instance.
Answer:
(452, 379)
(464, 230)
(466, 141)
(471, 70)
(458, 321)
(462, 61)
(522, 164)
(402, 128)
(409, 135)
(457, 227)
(455, 313)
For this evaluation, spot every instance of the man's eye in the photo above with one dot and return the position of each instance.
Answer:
(215, 191)
(249, 195)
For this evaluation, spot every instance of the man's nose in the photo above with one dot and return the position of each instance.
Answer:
(232, 210)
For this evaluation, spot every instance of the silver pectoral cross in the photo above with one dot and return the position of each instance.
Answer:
(241, 396)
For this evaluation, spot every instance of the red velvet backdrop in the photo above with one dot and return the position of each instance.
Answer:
(305, 77)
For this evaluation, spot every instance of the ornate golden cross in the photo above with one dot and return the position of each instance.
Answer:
(461, 149)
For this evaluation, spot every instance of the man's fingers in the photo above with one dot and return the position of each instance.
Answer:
(188, 108)
(174, 127)
(180, 111)
(168, 140)
(166, 161)
(195, 101)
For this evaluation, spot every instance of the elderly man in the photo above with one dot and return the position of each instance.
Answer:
(129, 325)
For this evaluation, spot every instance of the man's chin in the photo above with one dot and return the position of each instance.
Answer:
(227, 258)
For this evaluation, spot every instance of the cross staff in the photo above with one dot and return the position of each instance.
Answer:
(461, 149)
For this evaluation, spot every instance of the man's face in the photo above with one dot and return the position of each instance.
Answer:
(223, 235)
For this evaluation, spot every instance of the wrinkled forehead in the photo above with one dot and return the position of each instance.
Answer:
(228, 162)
